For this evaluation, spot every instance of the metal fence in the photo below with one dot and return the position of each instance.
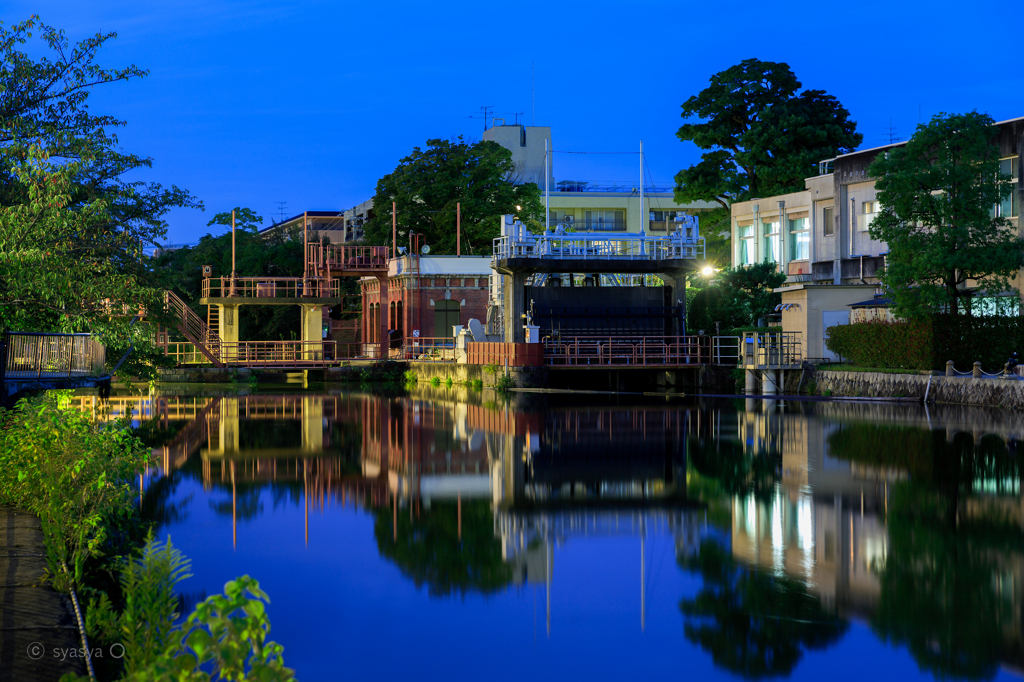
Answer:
(429, 349)
(621, 350)
(27, 355)
(581, 246)
(271, 287)
(770, 349)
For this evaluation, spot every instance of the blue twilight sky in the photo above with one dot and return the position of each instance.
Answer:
(251, 102)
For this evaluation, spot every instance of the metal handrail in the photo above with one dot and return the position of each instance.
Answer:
(628, 350)
(51, 356)
(271, 287)
(770, 349)
(597, 246)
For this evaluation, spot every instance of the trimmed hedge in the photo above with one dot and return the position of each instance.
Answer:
(927, 345)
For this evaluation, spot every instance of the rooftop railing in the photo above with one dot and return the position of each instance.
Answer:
(271, 287)
(590, 246)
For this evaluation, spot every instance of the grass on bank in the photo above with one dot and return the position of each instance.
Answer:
(842, 367)
(77, 476)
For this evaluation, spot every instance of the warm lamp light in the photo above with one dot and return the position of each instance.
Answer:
(708, 271)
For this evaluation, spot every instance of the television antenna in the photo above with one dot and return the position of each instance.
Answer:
(517, 114)
(281, 206)
(486, 114)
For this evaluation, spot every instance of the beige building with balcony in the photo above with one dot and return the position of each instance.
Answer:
(819, 238)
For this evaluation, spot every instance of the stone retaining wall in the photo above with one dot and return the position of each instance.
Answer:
(522, 377)
(950, 390)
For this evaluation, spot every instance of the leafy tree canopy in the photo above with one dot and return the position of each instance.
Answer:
(739, 298)
(72, 228)
(761, 135)
(428, 183)
(938, 194)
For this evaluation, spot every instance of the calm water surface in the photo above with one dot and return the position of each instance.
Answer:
(451, 535)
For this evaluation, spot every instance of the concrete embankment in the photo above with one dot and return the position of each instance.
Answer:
(1004, 393)
(38, 631)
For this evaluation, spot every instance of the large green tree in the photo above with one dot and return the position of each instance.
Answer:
(760, 135)
(427, 185)
(72, 225)
(938, 194)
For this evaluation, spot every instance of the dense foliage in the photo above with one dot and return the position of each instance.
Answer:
(76, 475)
(224, 638)
(938, 194)
(928, 344)
(72, 226)
(427, 185)
(740, 297)
(761, 136)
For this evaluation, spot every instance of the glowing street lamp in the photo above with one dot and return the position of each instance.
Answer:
(708, 271)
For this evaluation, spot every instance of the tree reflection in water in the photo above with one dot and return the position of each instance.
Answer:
(948, 578)
(753, 623)
(429, 549)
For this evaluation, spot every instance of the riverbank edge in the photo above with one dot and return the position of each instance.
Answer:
(1004, 393)
(31, 613)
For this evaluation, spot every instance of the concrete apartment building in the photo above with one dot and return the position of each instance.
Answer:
(586, 206)
(329, 224)
(589, 206)
(819, 238)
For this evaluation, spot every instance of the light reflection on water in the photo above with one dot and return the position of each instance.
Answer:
(559, 536)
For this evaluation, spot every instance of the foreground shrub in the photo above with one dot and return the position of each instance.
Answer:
(224, 638)
(75, 475)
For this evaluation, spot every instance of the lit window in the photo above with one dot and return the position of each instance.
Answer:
(746, 235)
(800, 239)
(771, 241)
(1009, 207)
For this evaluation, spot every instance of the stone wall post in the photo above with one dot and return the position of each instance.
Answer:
(977, 370)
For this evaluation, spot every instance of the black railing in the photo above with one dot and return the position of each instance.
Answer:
(28, 355)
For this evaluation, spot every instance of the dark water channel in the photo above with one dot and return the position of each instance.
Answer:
(452, 535)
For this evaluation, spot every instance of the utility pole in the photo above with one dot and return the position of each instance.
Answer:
(458, 228)
(233, 291)
(305, 253)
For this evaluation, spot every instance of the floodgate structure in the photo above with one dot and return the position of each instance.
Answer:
(561, 299)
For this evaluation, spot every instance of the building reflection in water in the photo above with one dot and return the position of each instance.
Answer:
(816, 502)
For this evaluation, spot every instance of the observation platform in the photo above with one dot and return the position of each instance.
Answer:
(271, 291)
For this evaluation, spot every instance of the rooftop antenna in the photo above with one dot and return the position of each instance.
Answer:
(533, 92)
(281, 205)
(891, 135)
(517, 114)
(486, 113)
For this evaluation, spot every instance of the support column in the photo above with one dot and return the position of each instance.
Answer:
(312, 331)
(312, 423)
(770, 382)
(515, 306)
(676, 283)
(228, 329)
(750, 383)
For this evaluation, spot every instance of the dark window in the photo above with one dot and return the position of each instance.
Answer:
(828, 224)
(446, 316)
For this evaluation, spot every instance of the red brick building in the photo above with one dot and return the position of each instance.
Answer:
(425, 294)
